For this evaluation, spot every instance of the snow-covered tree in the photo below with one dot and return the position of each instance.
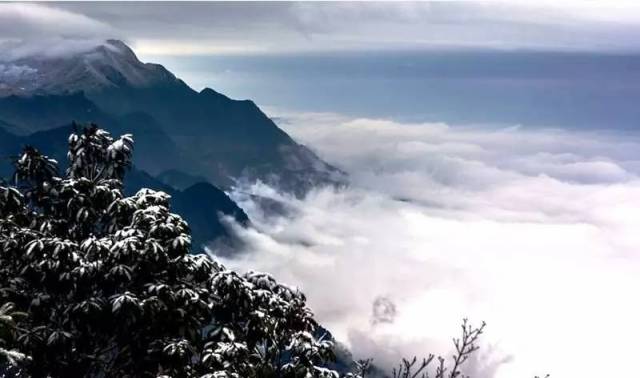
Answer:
(94, 283)
(10, 360)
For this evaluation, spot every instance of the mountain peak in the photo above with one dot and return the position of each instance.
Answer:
(222, 139)
(119, 45)
(111, 64)
(112, 49)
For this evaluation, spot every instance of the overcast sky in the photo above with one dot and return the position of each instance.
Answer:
(214, 28)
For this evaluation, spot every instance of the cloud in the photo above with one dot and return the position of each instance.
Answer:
(233, 28)
(35, 21)
(34, 29)
(532, 230)
(319, 17)
(266, 28)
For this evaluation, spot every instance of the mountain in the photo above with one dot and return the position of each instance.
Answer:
(201, 204)
(27, 115)
(6, 138)
(179, 179)
(155, 150)
(229, 139)
(188, 143)
(111, 64)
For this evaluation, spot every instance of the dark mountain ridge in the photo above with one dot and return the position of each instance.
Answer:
(188, 143)
(201, 204)
(156, 151)
(230, 139)
(27, 115)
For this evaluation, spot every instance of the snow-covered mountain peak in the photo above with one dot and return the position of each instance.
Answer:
(111, 64)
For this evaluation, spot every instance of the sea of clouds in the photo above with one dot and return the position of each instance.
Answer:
(532, 230)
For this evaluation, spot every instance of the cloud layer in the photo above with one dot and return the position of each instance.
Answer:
(294, 27)
(34, 29)
(19, 20)
(530, 230)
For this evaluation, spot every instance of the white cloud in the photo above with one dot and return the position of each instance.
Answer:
(19, 20)
(34, 29)
(533, 231)
(189, 48)
(232, 28)
(504, 25)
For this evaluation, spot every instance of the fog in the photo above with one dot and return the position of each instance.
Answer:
(530, 230)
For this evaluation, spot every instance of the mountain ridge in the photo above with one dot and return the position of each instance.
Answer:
(188, 143)
(223, 139)
(199, 203)
(111, 64)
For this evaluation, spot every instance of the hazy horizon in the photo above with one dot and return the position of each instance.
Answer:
(505, 88)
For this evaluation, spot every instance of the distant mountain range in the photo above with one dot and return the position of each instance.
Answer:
(188, 143)
(200, 204)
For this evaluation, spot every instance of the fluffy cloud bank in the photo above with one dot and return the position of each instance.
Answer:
(533, 231)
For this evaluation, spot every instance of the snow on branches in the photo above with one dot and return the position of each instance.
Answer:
(97, 284)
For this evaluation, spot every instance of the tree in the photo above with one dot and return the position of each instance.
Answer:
(109, 286)
(11, 359)
(93, 283)
(464, 348)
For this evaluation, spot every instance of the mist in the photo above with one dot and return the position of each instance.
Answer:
(531, 230)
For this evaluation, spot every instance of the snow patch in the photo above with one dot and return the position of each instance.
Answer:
(13, 72)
